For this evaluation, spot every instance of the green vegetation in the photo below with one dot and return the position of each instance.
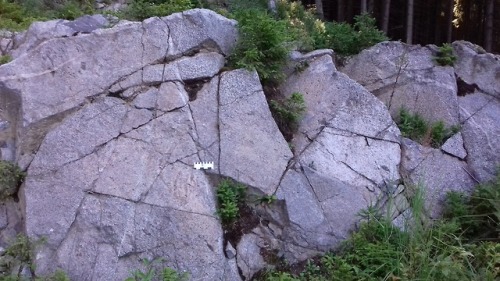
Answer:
(266, 199)
(311, 33)
(288, 112)
(10, 178)
(229, 195)
(478, 215)
(151, 273)
(445, 55)
(143, 9)
(18, 256)
(262, 44)
(413, 126)
(5, 59)
(347, 39)
(461, 246)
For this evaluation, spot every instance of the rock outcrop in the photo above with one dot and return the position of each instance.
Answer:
(107, 122)
(465, 94)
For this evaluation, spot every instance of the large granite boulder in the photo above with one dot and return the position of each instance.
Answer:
(406, 76)
(108, 122)
(474, 66)
(346, 153)
(109, 162)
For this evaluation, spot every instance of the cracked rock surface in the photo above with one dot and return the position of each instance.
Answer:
(108, 122)
(406, 76)
(108, 136)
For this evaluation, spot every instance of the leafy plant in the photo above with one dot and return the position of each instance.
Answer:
(267, 199)
(143, 9)
(288, 112)
(414, 127)
(10, 178)
(261, 46)
(229, 195)
(14, 16)
(303, 26)
(5, 59)
(150, 273)
(18, 256)
(346, 39)
(445, 55)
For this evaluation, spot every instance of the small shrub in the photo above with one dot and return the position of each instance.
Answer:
(288, 113)
(261, 46)
(10, 178)
(346, 39)
(5, 59)
(414, 127)
(150, 273)
(18, 256)
(230, 195)
(143, 9)
(266, 199)
(14, 16)
(303, 26)
(445, 56)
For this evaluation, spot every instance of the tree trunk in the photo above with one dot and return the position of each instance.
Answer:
(363, 9)
(449, 20)
(409, 22)
(371, 6)
(271, 5)
(488, 29)
(340, 10)
(319, 9)
(385, 16)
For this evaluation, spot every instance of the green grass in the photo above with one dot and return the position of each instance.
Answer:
(414, 127)
(453, 248)
(152, 272)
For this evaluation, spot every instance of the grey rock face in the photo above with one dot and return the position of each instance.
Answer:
(476, 67)
(406, 76)
(249, 137)
(436, 173)
(346, 149)
(480, 115)
(455, 146)
(108, 125)
(110, 176)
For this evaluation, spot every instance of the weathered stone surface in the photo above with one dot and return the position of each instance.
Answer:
(475, 66)
(249, 259)
(480, 115)
(436, 173)
(347, 148)
(205, 113)
(110, 176)
(406, 76)
(110, 179)
(455, 146)
(253, 151)
(107, 55)
(331, 97)
(206, 28)
(200, 66)
(117, 197)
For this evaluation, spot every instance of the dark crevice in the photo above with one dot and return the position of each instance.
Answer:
(192, 87)
(463, 88)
